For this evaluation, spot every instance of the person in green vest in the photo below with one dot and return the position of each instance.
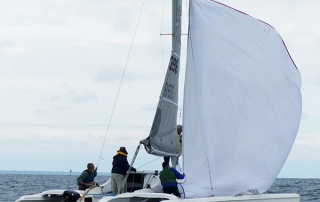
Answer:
(86, 179)
(168, 178)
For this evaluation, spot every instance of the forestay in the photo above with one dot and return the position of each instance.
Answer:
(163, 139)
(242, 102)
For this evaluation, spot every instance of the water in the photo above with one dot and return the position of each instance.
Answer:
(308, 189)
(13, 186)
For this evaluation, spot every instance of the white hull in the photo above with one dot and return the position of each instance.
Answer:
(136, 188)
(160, 196)
(165, 197)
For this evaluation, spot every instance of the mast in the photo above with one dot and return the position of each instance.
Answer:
(176, 26)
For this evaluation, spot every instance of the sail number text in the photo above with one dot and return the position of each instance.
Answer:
(168, 91)
(173, 66)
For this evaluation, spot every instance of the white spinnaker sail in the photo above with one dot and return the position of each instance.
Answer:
(242, 102)
(163, 139)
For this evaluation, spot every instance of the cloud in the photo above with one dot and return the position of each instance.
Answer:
(61, 63)
(53, 98)
(311, 140)
(39, 111)
(17, 49)
(109, 73)
(84, 98)
(61, 108)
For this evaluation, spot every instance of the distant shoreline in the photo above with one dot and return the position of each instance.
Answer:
(46, 172)
(28, 172)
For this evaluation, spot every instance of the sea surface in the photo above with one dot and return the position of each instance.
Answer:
(13, 186)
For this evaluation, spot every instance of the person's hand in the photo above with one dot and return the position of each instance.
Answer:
(81, 182)
(96, 168)
(93, 183)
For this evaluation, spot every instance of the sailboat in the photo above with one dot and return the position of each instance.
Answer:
(241, 113)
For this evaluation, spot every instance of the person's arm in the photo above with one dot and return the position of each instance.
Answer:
(133, 169)
(79, 180)
(83, 176)
(128, 166)
(177, 174)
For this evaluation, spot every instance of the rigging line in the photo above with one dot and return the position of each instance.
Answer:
(149, 162)
(124, 70)
(210, 177)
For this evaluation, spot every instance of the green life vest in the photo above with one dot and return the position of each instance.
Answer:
(167, 176)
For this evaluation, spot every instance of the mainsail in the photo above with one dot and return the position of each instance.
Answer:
(163, 139)
(242, 102)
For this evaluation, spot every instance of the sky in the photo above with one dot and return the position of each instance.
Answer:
(62, 62)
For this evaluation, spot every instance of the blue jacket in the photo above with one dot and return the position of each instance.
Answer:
(120, 165)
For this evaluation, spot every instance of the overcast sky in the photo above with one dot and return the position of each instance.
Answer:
(61, 63)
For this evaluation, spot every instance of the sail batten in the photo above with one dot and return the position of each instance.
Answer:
(169, 101)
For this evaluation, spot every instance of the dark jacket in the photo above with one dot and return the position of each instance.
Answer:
(120, 165)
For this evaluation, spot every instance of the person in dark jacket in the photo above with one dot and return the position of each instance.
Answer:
(168, 178)
(120, 166)
(86, 179)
